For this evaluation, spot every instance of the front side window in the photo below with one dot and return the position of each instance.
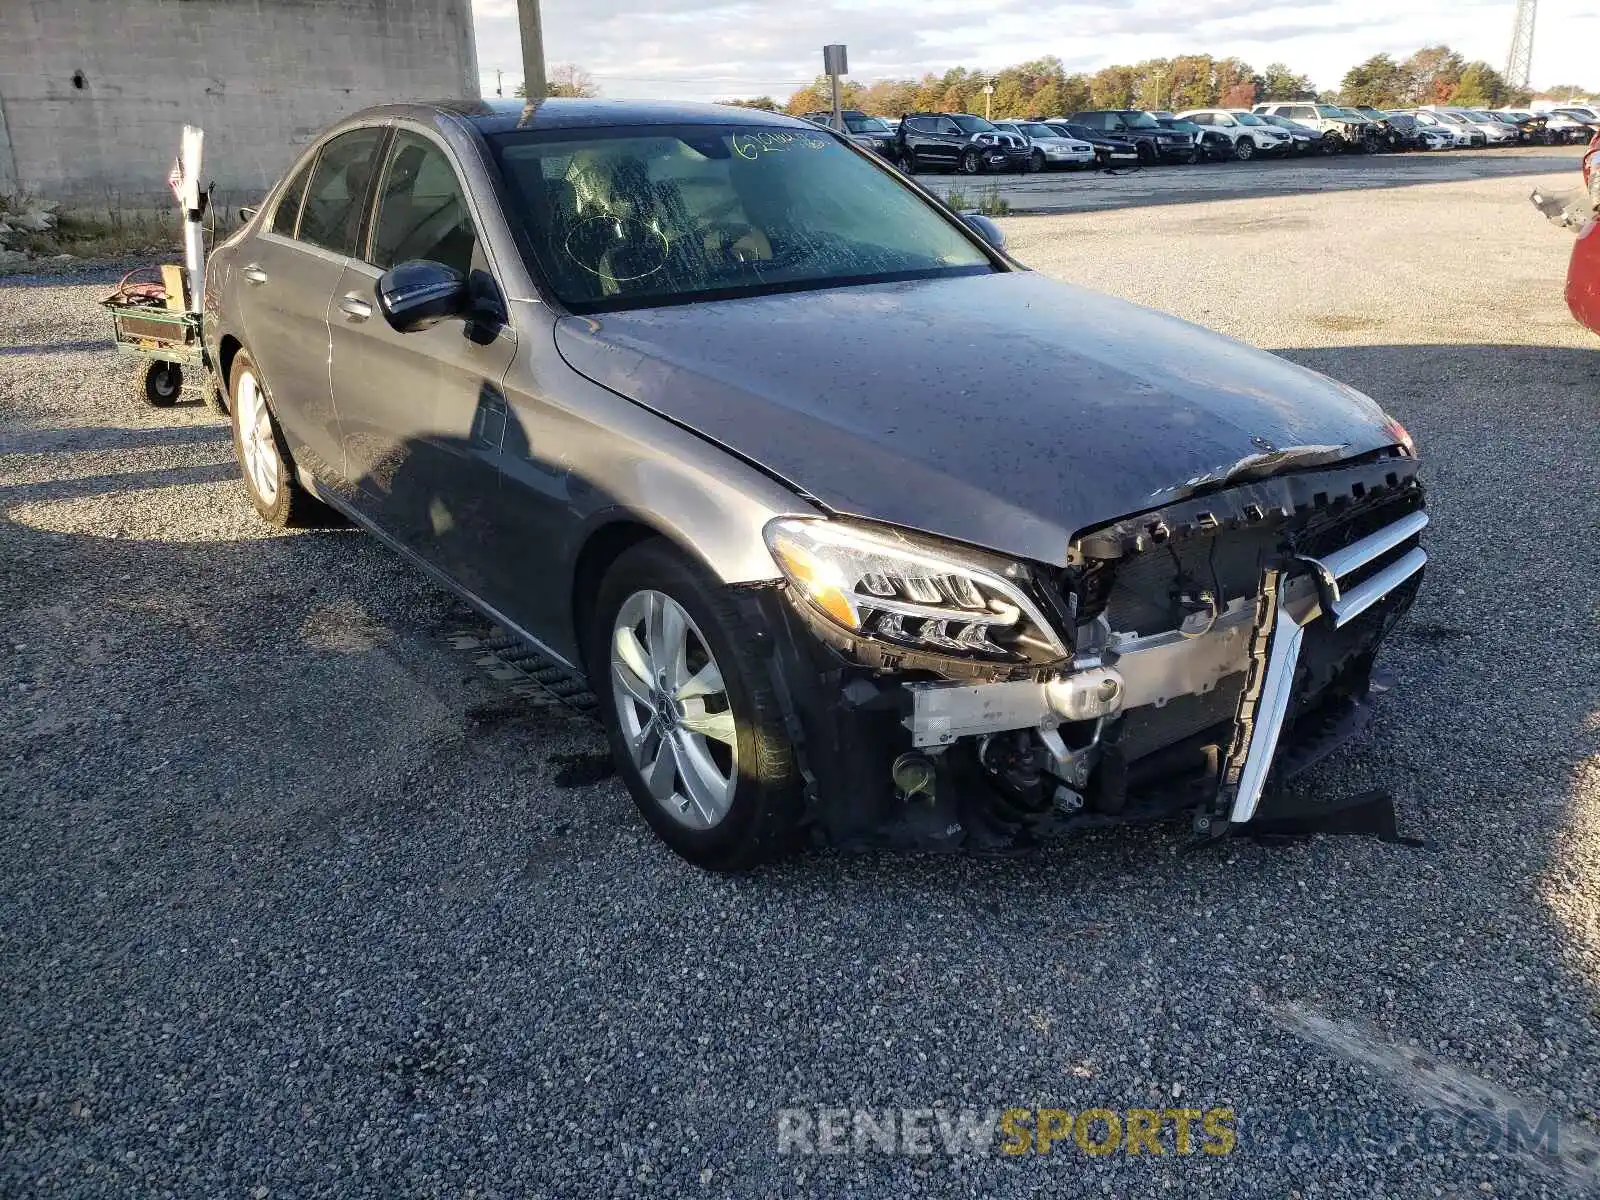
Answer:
(629, 217)
(422, 212)
(1247, 119)
(337, 196)
(288, 210)
(970, 124)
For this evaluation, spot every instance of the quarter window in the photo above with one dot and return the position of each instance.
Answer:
(422, 212)
(288, 210)
(338, 192)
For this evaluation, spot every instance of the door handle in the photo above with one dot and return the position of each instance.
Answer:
(354, 307)
(254, 274)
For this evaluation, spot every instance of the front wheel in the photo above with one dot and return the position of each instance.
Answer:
(1244, 149)
(971, 162)
(694, 724)
(1036, 162)
(908, 162)
(160, 383)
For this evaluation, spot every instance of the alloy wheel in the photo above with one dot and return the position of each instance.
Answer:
(1244, 148)
(676, 718)
(256, 441)
(971, 163)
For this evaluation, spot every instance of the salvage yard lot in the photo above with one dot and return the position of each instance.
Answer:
(299, 901)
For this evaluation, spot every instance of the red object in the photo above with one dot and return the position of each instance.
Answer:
(1583, 272)
(1583, 276)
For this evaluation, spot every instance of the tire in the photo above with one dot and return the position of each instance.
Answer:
(1191, 158)
(263, 455)
(971, 162)
(908, 161)
(160, 383)
(1330, 143)
(756, 818)
(1244, 149)
(1147, 156)
(1036, 162)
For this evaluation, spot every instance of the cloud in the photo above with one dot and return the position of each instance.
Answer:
(699, 50)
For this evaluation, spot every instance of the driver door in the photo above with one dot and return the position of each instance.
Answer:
(422, 414)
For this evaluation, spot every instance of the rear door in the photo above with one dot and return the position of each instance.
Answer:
(290, 271)
(422, 413)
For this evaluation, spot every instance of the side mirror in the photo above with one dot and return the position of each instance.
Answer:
(418, 294)
(987, 230)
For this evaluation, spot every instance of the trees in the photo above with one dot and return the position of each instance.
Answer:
(1112, 87)
(1480, 86)
(1433, 73)
(1379, 82)
(1278, 82)
(566, 79)
(764, 103)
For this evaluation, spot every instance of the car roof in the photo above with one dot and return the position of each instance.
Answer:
(503, 116)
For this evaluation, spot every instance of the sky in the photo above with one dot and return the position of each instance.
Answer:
(710, 49)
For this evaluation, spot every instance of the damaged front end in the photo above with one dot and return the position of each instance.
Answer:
(1188, 658)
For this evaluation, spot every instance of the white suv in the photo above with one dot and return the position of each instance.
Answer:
(1248, 132)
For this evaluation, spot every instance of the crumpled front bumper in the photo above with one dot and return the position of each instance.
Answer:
(1202, 724)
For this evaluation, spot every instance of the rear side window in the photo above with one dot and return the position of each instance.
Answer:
(422, 212)
(288, 210)
(337, 196)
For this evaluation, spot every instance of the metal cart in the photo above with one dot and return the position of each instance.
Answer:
(167, 339)
(159, 319)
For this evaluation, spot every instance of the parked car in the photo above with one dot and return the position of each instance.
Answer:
(1155, 143)
(1303, 139)
(1395, 130)
(1586, 121)
(1564, 129)
(1460, 132)
(1494, 133)
(1532, 127)
(1049, 148)
(1345, 131)
(1110, 153)
(1189, 128)
(1406, 134)
(1583, 270)
(1249, 134)
(952, 142)
(614, 373)
(865, 130)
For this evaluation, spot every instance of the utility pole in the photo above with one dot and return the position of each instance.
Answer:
(532, 50)
(988, 98)
(1519, 63)
(836, 63)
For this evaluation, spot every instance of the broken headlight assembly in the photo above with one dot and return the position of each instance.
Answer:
(914, 593)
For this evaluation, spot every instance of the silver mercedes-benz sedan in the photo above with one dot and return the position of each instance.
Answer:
(862, 533)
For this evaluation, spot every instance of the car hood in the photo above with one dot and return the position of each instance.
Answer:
(1004, 410)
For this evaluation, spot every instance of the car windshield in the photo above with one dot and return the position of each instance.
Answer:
(1139, 120)
(1247, 119)
(970, 124)
(1037, 129)
(866, 125)
(629, 217)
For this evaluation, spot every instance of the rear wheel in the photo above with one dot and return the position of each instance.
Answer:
(160, 383)
(263, 455)
(693, 722)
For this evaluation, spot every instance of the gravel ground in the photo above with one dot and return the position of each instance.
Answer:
(299, 902)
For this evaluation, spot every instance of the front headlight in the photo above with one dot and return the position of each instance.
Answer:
(911, 593)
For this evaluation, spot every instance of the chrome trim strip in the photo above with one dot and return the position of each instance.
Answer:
(1362, 597)
(1271, 710)
(1357, 554)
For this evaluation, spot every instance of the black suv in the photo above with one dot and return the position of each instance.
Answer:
(1156, 143)
(864, 129)
(955, 141)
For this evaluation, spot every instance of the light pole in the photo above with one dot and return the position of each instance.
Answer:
(532, 50)
(988, 99)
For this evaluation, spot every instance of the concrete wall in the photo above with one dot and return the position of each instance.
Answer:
(94, 93)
